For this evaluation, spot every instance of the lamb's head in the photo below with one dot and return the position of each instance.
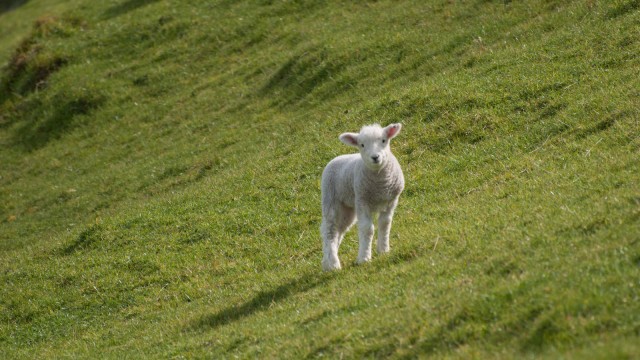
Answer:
(373, 143)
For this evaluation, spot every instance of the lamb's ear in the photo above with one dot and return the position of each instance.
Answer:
(350, 139)
(392, 130)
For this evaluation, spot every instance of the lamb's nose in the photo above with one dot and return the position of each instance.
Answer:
(375, 158)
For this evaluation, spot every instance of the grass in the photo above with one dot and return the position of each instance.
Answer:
(161, 162)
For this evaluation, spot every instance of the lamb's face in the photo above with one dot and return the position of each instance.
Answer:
(373, 146)
(373, 143)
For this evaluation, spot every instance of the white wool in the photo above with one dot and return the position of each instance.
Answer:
(360, 186)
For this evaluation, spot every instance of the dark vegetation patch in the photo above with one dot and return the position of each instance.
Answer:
(28, 72)
(623, 8)
(32, 63)
(8, 5)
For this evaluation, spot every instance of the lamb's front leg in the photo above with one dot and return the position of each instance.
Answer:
(384, 228)
(365, 233)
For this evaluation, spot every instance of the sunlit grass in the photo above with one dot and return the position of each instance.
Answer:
(160, 178)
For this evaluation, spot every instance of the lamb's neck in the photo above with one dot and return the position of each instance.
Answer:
(388, 173)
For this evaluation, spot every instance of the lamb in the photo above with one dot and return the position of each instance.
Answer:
(360, 186)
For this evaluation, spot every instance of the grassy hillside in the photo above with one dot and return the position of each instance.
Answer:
(160, 164)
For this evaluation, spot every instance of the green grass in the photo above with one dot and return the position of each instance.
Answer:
(160, 167)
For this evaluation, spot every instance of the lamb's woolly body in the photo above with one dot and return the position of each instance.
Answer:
(346, 178)
(353, 188)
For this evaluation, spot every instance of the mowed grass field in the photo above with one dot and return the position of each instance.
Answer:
(160, 165)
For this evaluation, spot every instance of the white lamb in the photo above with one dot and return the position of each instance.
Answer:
(360, 185)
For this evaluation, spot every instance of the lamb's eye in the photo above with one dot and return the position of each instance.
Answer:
(362, 145)
(383, 141)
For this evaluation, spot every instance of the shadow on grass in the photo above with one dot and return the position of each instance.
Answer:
(125, 7)
(262, 301)
(86, 238)
(39, 131)
(8, 5)
(304, 74)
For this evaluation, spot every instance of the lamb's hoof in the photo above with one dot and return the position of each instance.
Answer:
(361, 261)
(383, 251)
(331, 265)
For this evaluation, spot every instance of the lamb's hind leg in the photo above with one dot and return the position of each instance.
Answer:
(330, 241)
(347, 218)
(334, 225)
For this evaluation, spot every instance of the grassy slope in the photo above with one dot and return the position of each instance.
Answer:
(160, 166)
